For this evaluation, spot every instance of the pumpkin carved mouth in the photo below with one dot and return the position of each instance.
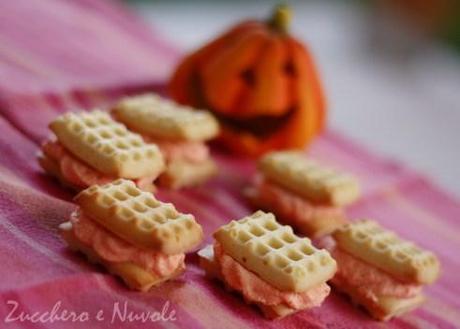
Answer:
(262, 126)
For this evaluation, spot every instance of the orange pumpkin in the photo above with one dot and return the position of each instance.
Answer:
(260, 82)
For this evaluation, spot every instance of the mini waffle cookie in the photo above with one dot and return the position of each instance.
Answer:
(133, 275)
(107, 145)
(139, 218)
(275, 253)
(382, 248)
(293, 171)
(154, 116)
(212, 270)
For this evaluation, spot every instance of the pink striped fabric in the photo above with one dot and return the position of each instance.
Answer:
(59, 55)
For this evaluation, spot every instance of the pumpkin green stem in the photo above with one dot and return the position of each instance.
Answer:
(281, 18)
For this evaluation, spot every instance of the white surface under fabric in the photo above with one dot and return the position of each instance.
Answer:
(403, 103)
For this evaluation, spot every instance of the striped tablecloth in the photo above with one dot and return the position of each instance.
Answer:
(59, 55)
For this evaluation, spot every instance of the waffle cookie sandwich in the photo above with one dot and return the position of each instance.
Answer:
(179, 131)
(269, 265)
(132, 234)
(302, 193)
(91, 148)
(379, 270)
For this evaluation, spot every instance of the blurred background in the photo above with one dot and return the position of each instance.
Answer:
(391, 69)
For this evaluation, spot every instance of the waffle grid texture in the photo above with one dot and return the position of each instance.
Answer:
(137, 217)
(313, 181)
(106, 145)
(275, 253)
(384, 249)
(152, 115)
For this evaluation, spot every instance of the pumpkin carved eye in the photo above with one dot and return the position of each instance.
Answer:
(289, 69)
(261, 84)
(248, 77)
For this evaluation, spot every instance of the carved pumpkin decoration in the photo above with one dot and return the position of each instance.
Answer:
(261, 84)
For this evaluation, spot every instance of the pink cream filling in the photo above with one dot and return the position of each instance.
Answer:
(290, 206)
(80, 174)
(254, 289)
(369, 280)
(181, 150)
(113, 249)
